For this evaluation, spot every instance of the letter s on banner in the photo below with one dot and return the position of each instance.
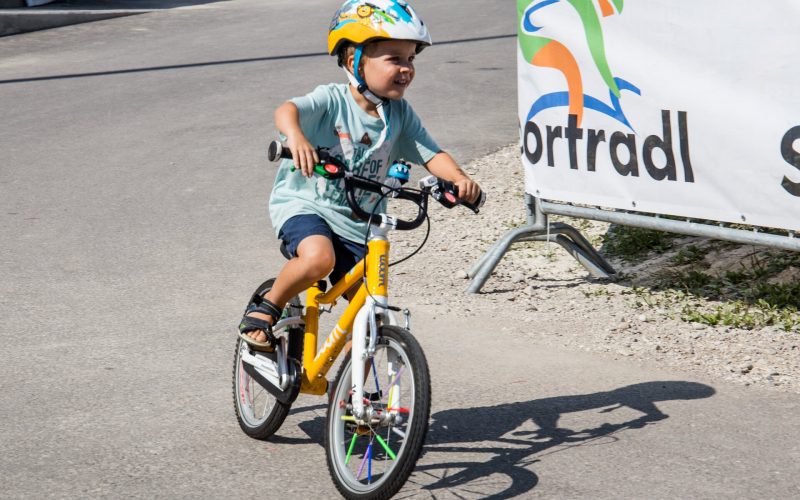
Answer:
(792, 157)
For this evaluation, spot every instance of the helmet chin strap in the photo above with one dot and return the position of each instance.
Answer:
(380, 103)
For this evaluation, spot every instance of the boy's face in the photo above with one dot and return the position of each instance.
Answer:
(389, 67)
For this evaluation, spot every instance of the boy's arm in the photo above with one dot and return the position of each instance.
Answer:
(287, 119)
(442, 165)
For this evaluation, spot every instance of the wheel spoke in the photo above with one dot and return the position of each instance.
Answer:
(350, 449)
(266, 406)
(363, 461)
(369, 463)
(385, 447)
(375, 376)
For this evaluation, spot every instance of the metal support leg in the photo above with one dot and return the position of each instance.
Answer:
(537, 230)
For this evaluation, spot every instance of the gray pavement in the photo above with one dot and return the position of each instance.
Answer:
(133, 187)
(15, 18)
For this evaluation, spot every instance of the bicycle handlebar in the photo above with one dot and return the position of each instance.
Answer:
(330, 167)
(351, 182)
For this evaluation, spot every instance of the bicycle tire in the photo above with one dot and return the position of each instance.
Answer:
(397, 354)
(256, 421)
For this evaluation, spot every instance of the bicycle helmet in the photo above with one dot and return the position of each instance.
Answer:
(359, 22)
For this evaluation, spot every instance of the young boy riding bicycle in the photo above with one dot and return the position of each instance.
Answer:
(368, 125)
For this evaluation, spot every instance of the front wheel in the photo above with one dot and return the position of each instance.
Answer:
(373, 458)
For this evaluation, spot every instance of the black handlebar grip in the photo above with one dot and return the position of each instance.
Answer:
(276, 151)
(475, 207)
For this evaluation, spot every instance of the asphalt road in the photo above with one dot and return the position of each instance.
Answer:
(133, 188)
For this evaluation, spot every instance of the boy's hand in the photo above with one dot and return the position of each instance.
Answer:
(468, 190)
(303, 153)
(443, 166)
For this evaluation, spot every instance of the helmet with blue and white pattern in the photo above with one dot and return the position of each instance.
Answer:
(360, 22)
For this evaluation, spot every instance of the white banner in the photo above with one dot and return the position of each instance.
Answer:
(679, 107)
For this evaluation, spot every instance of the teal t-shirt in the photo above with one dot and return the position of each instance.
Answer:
(331, 118)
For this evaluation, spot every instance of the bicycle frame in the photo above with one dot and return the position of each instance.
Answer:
(359, 318)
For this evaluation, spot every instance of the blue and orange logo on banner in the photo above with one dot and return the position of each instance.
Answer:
(549, 53)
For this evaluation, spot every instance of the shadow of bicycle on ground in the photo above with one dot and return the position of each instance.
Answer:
(494, 446)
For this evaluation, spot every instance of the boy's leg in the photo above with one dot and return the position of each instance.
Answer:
(348, 253)
(315, 259)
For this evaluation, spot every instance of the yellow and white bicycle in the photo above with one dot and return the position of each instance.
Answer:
(379, 403)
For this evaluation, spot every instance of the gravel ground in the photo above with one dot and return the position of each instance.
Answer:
(540, 284)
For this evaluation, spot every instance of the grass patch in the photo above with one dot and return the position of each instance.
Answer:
(739, 314)
(748, 298)
(748, 283)
(690, 255)
(630, 243)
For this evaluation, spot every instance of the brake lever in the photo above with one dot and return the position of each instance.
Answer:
(442, 191)
(446, 193)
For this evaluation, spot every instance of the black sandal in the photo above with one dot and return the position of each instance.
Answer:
(259, 304)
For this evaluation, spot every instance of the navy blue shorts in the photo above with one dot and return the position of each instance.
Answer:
(300, 227)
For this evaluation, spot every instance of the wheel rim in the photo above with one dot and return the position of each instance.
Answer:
(254, 402)
(362, 455)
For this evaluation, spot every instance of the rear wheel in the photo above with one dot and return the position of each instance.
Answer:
(373, 459)
(259, 413)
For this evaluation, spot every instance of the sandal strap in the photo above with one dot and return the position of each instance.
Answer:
(264, 306)
(259, 304)
(250, 324)
(263, 310)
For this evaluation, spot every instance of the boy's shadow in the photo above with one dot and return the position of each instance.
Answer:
(506, 443)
